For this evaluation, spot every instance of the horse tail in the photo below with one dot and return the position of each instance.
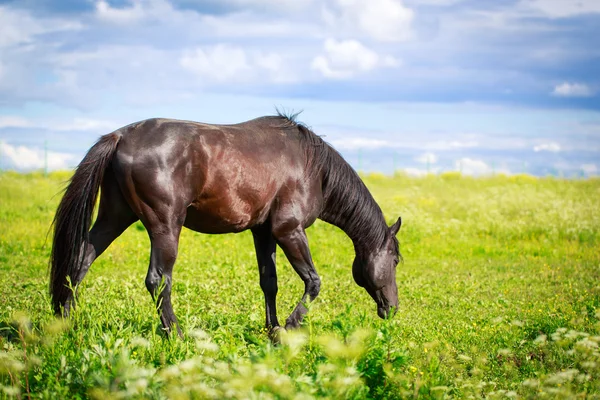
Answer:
(74, 217)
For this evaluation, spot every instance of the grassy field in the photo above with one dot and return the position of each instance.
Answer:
(499, 297)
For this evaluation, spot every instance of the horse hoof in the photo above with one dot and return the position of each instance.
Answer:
(276, 334)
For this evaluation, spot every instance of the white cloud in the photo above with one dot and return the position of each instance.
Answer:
(414, 140)
(190, 23)
(451, 144)
(25, 158)
(455, 144)
(274, 68)
(74, 124)
(127, 14)
(383, 20)
(283, 5)
(551, 147)
(271, 62)
(229, 64)
(138, 10)
(9, 121)
(589, 169)
(86, 124)
(415, 171)
(469, 166)
(346, 58)
(151, 75)
(567, 89)
(247, 25)
(563, 8)
(427, 158)
(220, 62)
(356, 143)
(19, 27)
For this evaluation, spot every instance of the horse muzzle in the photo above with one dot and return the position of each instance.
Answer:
(386, 311)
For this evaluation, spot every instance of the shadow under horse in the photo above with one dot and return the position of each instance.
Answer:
(271, 175)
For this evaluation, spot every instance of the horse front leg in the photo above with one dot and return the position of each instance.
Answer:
(265, 246)
(294, 244)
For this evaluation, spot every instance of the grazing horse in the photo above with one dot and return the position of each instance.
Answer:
(271, 175)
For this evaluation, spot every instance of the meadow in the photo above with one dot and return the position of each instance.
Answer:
(499, 297)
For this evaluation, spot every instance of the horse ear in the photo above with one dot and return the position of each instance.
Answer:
(396, 227)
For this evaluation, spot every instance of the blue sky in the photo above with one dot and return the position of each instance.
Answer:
(432, 85)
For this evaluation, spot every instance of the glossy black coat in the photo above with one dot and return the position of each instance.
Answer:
(270, 175)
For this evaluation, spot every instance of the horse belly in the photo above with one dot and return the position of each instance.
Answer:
(215, 217)
(235, 194)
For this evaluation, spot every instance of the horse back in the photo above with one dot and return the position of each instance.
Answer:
(222, 178)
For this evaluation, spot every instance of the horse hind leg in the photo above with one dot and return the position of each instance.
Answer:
(114, 217)
(162, 210)
(165, 242)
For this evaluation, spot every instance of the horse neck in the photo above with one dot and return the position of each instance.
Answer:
(349, 205)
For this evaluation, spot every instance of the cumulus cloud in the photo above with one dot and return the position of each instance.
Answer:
(157, 56)
(220, 62)
(551, 147)
(24, 158)
(130, 50)
(567, 89)
(153, 33)
(427, 158)
(469, 166)
(383, 20)
(346, 58)
(226, 63)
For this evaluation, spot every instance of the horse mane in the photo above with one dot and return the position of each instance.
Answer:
(348, 204)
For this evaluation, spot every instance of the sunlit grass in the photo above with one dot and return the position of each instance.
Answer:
(499, 297)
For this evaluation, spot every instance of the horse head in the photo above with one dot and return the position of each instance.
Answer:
(376, 272)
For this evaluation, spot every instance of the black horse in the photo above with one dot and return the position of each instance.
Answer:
(271, 175)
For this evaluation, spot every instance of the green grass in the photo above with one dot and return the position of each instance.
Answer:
(499, 297)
